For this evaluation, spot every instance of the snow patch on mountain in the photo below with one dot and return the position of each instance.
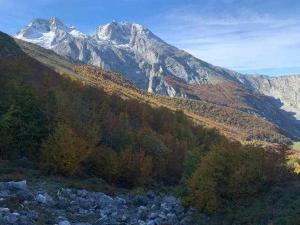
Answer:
(143, 58)
(127, 48)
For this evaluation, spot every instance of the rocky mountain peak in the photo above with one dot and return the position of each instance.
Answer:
(48, 33)
(34, 29)
(38, 27)
(55, 23)
(120, 32)
(147, 61)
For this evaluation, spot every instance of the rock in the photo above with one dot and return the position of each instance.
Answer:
(31, 214)
(80, 204)
(142, 212)
(154, 207)
(159, 221)
(19, 185)
(141, 222)
(23, 220)
(82, 224)
(82, 193)
(140, 200)
(153, 215)
(4, 194)
(43, 198)
(85, 203)
(178, 209)
(172, 219)
(62, 204)
(4, 210)
(151, 222)
(12, 218)
(64, 222)
(120, 201)
(124, 218)
(166, 207)
(170, 200)
(105, 200)
(162, 216)
(26, 194)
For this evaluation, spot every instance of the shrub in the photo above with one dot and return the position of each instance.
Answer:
(64, 151)
(126, 168)
(230, 173)
(23, 125)
(103, 162)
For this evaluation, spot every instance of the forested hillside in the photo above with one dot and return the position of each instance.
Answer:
(242, 125)
(235, 124)
(70, 128)
(155, 66)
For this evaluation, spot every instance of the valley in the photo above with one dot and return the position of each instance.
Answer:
(119, 127)
(153, 65)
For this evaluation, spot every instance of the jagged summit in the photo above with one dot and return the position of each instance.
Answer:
(120, 32)
(150, 63)
(127, 48)
(130, 49)
(37, 27)
(116, 32)
(48, 33)
(34, 29)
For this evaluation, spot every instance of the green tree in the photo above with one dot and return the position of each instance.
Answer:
(64, 151)
(153, 146)
(23, 125)
(227, 173)
(103, 162)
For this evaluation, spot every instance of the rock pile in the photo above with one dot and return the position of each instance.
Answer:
(22, 205)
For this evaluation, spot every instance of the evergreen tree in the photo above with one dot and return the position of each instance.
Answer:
(23, 125)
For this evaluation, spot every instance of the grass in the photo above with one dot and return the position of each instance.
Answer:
(296, 146)
(294, 158)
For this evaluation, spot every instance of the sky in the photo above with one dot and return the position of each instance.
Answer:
(249, 36)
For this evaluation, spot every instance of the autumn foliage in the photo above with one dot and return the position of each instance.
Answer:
(71, 129)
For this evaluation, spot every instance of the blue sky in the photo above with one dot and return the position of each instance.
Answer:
(250, 36)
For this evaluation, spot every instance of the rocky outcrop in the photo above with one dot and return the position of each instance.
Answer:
(23, 205)
(157, 67)
(129, 49)
(284, 88)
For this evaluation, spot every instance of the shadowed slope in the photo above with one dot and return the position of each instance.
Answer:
(236, 123)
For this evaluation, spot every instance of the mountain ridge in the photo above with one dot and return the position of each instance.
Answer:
(235, 124)
(141, 41)
(157, 67)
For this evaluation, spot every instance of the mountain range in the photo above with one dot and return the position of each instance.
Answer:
(157, 67)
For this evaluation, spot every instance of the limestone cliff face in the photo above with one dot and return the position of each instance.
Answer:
(157, 67)
(284, 88)
(129, 49)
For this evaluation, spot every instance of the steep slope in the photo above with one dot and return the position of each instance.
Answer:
(90, 136)
(126, 48)
(157, 67)
(149, 62)
(234, 123)
(284, 88)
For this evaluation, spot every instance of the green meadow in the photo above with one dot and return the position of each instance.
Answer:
(296, 145)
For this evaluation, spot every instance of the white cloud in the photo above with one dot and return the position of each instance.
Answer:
(244, 41)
